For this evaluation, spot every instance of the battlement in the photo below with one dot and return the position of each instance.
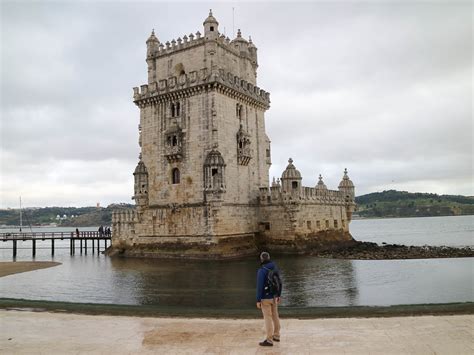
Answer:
(195, 79)
(172, 46)
(191, 40)
(275, 195)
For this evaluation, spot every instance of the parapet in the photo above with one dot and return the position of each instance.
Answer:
(276, 195)
(125, 216)
(177, 45)
(196, 79)
(193, 40)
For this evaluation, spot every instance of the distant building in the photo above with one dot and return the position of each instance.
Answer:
(202, 180)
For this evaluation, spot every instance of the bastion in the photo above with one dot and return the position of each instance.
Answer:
(202, 180)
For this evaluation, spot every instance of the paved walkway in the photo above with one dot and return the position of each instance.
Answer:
(24, 332)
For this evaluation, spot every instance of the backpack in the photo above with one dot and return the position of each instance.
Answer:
(273, 282)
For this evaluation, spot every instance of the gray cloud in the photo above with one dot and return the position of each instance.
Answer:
(383, 89)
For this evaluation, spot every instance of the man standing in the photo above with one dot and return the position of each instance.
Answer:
(268, 297)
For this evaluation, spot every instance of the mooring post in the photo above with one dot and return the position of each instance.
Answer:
(52, 246)
(34, 246)
(14, 248)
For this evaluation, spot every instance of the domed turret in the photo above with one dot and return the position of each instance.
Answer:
(320, 185)
(152, 44)
(141, 184)
(140, 169)
(241, 44)
(253, 52)
(346, 186)
(291, 179)
(211, 30)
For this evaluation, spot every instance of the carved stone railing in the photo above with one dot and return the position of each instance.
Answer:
(174, 153)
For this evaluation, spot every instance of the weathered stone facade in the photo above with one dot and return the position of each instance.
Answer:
(201, 184)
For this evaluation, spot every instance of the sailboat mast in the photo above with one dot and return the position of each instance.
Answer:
(21, 221)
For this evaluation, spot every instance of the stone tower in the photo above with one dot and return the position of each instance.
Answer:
(201, 183)
(204, 149)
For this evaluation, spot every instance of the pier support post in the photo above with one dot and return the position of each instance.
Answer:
(81, 246)
(14, 248)
(93, 245)
(70, 245)
(33, 246)
(85, 246)
(52, 246)
(105, 243)
(98, 246)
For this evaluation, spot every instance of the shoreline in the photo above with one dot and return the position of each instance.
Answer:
(15, 267)
(46, 333)
(457, 308)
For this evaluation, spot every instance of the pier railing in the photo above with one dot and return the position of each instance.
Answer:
(79, 240)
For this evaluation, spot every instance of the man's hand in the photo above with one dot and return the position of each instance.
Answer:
(277, 299)
(259, 305)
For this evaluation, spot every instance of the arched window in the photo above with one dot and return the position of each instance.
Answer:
(214, 172)
(175, 176)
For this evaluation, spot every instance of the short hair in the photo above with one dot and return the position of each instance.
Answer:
(264, 256)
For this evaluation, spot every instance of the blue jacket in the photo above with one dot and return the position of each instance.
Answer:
(262, 290)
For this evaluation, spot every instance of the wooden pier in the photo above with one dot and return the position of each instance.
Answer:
(83, 242)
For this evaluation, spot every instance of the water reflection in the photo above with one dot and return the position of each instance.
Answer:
(308, 281)
(223, 284)
(313, 282)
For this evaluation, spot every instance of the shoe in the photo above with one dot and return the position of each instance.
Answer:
(276, 339)
(265, 343)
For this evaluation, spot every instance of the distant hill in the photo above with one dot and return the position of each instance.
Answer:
(394, 203)
(389, 203)
(62, 216)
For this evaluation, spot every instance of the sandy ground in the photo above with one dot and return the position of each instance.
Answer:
(26, 332)
(15, 267)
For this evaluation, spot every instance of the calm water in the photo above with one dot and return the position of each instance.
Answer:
(308, 281)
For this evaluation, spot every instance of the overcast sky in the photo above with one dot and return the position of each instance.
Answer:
(383, 89)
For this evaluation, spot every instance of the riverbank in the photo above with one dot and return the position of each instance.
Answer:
(52, 333)
(241, 313)
(15, 267)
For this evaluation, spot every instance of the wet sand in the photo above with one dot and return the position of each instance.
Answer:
(15, 267)
(53, 333)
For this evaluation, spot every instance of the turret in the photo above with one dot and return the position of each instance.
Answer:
(347, 187)
(291, 179)
(321, 186)
(241, 44)
(152, 45)
(152, 48)
(211, 30)
(141, 184)
(253, 53)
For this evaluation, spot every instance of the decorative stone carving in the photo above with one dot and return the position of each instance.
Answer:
(174, 143)
(243, 147)
(214, 172)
